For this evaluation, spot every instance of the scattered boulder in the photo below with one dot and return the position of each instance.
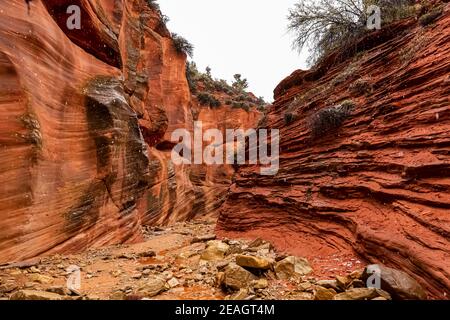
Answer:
(34, 295)
(253, 262)
(126, 256)
(236, 277)
(222, 264)
(146, 272)
(305, 286)
(356, 275)
(220, 276)
(257, 243)
(321, 293)
(173, 282)
(216, 250)
(152, 287)
(15, 272)
(116, 273)
(118, 295)
(361, 294)
(242, 294)
(343, 282)
(39, 278)
(379, 299)
(357, 284)
(303, 296)
(8, 287)
(34, 269)
(58, 290)
(147, 254)
(260, 245)
(399, 284)
(329, 284)
(260, 283)
(292, 267)
(204, 238)
(280, 256)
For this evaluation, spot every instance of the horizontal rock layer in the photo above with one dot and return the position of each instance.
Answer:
(377, 188)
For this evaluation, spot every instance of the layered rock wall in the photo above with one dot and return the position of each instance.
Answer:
(378, 187)
(84, 113)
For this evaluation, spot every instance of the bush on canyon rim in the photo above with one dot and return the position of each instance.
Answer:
(330, 119)
(182, 45)
(215, 92)
(289, 117)
(208, 99)
(430, 17)
(329, 24)
(153, 4)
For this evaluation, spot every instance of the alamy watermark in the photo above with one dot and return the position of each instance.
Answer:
(235, 146)
(374, 281)
(374, 17)
(74, 20)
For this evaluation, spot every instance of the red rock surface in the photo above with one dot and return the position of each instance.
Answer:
(83, 112)
(378, 188)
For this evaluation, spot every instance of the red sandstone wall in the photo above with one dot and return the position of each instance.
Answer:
(82, 112)
(377, 189)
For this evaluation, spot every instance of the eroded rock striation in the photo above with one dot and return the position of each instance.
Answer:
(86, 118)
(373, 185)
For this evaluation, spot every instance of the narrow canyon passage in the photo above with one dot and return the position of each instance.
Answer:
(89, 178)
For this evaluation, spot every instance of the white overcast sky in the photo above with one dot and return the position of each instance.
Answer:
(238, 36)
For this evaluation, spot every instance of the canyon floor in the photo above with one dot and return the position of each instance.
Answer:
(184, 262)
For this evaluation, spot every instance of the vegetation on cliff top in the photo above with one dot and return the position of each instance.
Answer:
(217, 92)
(326, 25)
(182, 45)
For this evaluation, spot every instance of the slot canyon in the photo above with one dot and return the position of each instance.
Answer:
(87, 176)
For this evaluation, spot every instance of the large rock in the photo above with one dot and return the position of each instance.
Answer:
(398, 283)
(242, 294)
(236, 277)
(253, 262)
(321, 293)
(42, 279)
(35, 295)
(329, 284)
(361, 294)
(216, 250)
(292, 267)
(153, 286)
(260, 283)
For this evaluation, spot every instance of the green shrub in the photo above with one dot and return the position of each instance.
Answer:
(165, 19)
(191, 74)
(430, 17)
(215, 103)
(240, 105)
(239, 83)
(289, 117)
(206, 99)
(330, 119)
(361, 86)
(182, 45)
(153, 4)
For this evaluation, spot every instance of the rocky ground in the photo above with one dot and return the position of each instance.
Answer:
(186, 261)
